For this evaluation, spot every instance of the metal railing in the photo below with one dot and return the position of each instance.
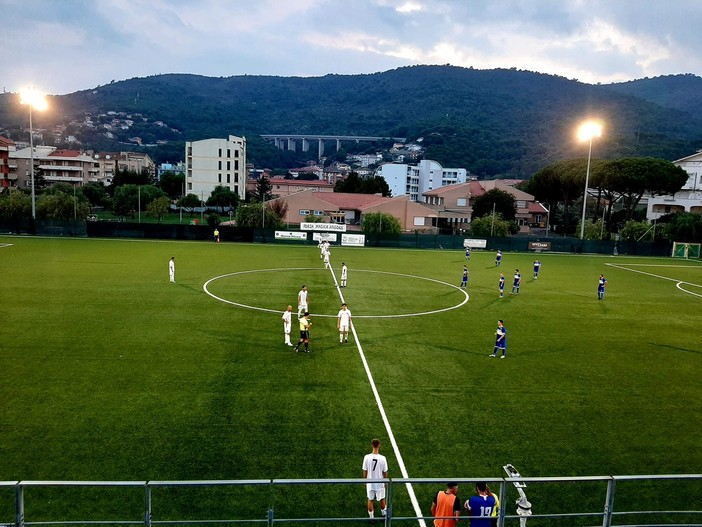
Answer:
(44, 503)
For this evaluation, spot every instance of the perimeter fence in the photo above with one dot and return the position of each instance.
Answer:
(546, 501)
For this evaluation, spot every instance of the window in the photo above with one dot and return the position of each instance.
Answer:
(319, 213)
(219, 165)
(236, 165)
(229, 152)
(304, 212)
(229, 178)
(521, 204)
(220, 178)
(461, 202)
(229, 165)
(190, 186)
(419, 221)
(220, 153)
(236, 153)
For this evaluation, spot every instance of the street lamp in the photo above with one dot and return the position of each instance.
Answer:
(35, 100)
(587, 132)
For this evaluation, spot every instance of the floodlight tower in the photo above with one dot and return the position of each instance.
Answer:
(523, 504)
(587, 132)
(35, 100)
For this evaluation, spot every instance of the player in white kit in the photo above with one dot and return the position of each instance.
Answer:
(343, 322)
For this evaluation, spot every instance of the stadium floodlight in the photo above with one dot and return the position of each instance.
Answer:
(35, 100)
(523, 504)
(587, 132)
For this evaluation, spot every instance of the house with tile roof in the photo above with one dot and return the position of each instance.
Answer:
(688, 198)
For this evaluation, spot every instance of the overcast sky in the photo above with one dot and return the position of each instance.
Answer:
(62, 46)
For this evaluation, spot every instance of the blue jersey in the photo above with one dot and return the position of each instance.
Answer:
(465, 275)
(467, 252)
(601, 284)
(498, 256)
(502, 282)
(517, 279)
(537, 265)
(501, 337)
(481, 510)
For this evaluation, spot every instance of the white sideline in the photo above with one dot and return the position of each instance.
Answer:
(398, 455)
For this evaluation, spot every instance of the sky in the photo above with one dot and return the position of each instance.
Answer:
(63, 46)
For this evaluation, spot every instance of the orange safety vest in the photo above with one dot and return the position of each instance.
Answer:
(444, 507)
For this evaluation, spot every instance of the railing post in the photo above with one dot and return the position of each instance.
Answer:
(388, 505)
(271, 510)
(609, 503)
(147, 505)
(19, 505)
(503, 497)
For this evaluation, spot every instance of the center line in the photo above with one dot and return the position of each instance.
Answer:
(381, 408)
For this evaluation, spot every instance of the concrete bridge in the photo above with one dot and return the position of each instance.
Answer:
(289, 141)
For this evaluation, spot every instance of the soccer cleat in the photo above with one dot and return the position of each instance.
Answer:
(492, 355)
(503, 356)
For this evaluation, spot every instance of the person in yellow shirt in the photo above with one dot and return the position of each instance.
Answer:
(305, 326)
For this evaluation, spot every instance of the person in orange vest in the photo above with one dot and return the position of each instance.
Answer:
(446, 507)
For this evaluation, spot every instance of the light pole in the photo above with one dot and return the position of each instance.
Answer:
(587, 132)
(35, 100)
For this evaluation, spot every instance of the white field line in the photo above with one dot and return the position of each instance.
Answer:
(678, 283)
(381, 408)
(6, 245)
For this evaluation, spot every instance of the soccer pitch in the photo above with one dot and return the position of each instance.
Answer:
(110, 372)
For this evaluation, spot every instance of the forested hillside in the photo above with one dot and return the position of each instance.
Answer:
(492, 122)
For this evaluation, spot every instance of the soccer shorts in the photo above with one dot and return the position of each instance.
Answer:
(375, 494)
(344, 328)
(287, 328)
(304, 335)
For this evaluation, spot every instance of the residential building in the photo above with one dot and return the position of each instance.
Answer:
(415, 180)
(136, 162)
(284, 187)
(454, 205)
(349, 208)
(176, 168)
(688, 198)
(6, 146)
(54, 166)
(213, 162)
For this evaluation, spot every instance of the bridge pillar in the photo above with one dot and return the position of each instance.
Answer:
(321, 148)
(305, 144)
(291, 144)
(338, 145)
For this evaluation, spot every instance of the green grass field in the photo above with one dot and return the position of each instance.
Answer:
(110, 372)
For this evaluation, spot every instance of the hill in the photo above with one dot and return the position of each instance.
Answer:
(492, 122)
(678, 92)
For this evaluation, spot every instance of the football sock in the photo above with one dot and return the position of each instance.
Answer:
(370, 514)
(383, 511)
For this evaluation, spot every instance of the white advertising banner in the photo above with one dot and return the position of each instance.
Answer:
(475, 244)
(326, 227)
(324, 236)
(290, 235)
(357, 240)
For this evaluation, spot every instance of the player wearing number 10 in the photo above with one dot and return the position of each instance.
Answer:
(482, 506)
(375, 466)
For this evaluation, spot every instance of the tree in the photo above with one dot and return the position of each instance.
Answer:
(189, 202)
(633, 231)
(486, 226)
(172, 184)
(223, 198)
(128, 198)
(252, 215)
(593, 231)
(380, 223)
(263, 190)
(61, 206)
(15, 206)
(130, 177)
(96, 194)
(279, 208)
(503, 202)
(356, 185)
(158, 208)
(684, 227)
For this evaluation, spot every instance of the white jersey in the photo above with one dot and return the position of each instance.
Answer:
(302, 298)
(287, 321)
(344, 272)
(344, 318)
(375, 465)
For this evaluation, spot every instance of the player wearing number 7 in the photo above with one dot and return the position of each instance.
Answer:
(375, 466)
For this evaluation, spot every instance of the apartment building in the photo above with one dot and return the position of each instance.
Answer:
(6, 146)
(213, 162)
(415, 180)
(688, 198)
(54, 165)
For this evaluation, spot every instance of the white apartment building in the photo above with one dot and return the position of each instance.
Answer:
(688, 198)
(415, 180)
(213, 162)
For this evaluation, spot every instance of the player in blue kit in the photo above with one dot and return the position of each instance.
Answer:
(464, 280)
(500, 340)
(498, 258)
(517, 282)
(467, 253)
(601, 283)
(483, 506)
(502, 285)
(537, 268)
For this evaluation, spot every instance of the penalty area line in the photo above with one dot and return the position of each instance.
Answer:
(383, 415)
(677, 281)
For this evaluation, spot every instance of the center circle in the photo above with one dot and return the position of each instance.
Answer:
(277, 311)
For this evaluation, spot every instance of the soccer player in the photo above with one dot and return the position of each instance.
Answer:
(287, 324)
(464, 280)
(302, 304)
(446, 507)
(537, 268)
(601, 283)
(375, 466)
(305, 326)
(498, 258)
(483, 506)
(344, 274)
(517, 282)
(468, 253)
(216, 235)
(500, 340)
(171, 269)
(501, 285)
(343, 323)
(326, 259)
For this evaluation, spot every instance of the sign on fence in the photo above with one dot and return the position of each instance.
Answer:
(290, 235)
(329, 227)
(474, 243)
(357, 240)
(324, 236)
(539, 246)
